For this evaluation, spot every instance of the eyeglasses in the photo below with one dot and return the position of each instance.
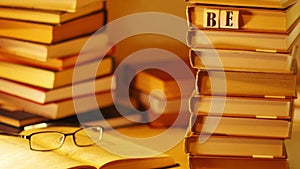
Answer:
(52, 140)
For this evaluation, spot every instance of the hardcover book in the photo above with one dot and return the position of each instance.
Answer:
(245, 83)
(254, 3)
(52, 79)
(250, 19)
(42, 96)
(238, 40)
(242, 126)
(50, 34)
(270, 108)
(42, 52)
(212, 162)
(48, 16)
(235, 146)
(241, 60)
(63, 108)
(68, 6)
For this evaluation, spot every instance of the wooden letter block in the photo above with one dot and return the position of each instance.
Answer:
(211, 18)
(229, 19)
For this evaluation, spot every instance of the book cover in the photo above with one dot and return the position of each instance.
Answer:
(270, 108)
(68, 6)
(50, 34)
(241, 60)
(212, 162)
(57, 64)
(235, 146)
(238, 40)
(52, 79)
(254, 3)
(19, 118)
(42, 96)
(250, 84)
(249, 19)
(42, 52)
(48, 16)
(61, 109)
(242, 126)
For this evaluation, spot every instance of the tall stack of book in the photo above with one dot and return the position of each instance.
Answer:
(242, 110)
(40, 42)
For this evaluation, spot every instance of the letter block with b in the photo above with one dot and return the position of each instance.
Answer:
(215, 18)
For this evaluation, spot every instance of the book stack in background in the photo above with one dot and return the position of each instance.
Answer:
(39, 46)
(154, 91)
(158, 93)
(246, 82)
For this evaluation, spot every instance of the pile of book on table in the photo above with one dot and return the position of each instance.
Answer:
(242, 109)
(40, 43)
(157, 92)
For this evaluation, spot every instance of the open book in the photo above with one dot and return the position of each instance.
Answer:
(17, 154)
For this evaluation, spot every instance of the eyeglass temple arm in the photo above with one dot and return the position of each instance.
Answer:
(12, 134)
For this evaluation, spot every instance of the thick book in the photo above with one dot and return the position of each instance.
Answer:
(52, 79)
(250, 19)
(43, 52)
(222, 162)
(63, 108)
(48, 16)
(19, 118)
(91, 157)
(241, 126)
(41, 95)
(235, 146)
(57, 64)
(238, 40)
(245, 83)
(254, 3)
(50, 34)
(255, 61)
(269, 108)
(68, 6)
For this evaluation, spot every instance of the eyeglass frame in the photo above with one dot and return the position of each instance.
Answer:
(28, 137)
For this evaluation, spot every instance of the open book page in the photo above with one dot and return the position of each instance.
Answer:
(15, 153)
(97, 155)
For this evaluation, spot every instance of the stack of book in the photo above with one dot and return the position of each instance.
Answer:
(40, 47)
(155, 92)
(158, 93)
(242, 110)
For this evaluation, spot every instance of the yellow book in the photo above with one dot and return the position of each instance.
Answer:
(52, 79)
(48, 16)
(250, 19)
(50, 34)
(253, 3)
(68, 6)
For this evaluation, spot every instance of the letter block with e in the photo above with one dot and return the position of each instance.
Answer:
(215, 18)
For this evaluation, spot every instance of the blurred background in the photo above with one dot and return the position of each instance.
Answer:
(119, 8)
